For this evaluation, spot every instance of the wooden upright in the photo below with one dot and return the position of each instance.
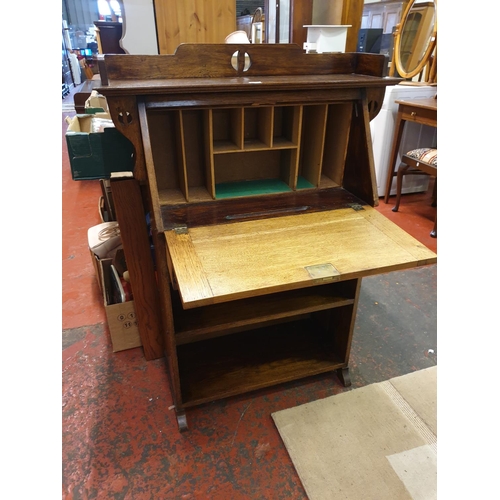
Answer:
(255, 163)
(194, 21)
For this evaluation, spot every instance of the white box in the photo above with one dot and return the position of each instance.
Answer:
(326, 38)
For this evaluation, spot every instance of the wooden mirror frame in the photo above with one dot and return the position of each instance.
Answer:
(431, 45)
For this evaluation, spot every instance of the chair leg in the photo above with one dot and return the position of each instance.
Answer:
(434, 229)
(434, 194)
(401, 171)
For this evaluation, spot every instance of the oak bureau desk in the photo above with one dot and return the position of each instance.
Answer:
(255, 165)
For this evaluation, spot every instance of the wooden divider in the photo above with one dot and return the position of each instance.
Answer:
(208, 154)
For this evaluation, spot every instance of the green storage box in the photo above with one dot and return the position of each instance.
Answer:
(94, 155)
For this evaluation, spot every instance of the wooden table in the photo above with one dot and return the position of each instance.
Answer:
(422, 111)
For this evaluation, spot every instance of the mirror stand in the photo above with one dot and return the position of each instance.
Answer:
(415, 43)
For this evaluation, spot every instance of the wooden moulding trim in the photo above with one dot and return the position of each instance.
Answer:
(205, 66)
(211, 61)
(251, 208)
(259, 84)
(149, 165)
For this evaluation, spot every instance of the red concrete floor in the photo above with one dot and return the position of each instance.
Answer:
(119, 432)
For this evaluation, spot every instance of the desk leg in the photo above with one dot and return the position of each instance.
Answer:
(181, 420)
(133, 230)
(398, 133)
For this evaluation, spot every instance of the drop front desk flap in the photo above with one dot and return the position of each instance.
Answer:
(255, 164)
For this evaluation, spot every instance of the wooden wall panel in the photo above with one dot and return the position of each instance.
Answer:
(352, 11)
(193, 21)
(300, 15)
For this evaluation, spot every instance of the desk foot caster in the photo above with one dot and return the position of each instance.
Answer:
(343, 375)
(181, 420)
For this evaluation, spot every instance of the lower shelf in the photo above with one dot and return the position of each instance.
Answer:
(235, 364)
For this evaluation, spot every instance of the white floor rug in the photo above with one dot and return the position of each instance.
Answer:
(374, 443)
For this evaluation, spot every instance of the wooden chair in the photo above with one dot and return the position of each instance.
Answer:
(421, 161)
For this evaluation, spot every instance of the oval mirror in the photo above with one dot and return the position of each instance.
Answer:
(415, 38)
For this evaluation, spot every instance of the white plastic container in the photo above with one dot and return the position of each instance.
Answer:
(326, 38)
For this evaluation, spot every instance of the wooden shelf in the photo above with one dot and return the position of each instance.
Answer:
(221, 147)
(219, 318)
(235, 364)
(255, 145)
(225, 147)
(325, 182)
(283, 143)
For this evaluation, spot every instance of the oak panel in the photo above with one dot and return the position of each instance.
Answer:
(259, 257)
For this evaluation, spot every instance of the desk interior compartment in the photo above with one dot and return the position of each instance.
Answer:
(255, 172)
(215, 153)
(255, 149)
(312, 145)
(177, 146)
(258, 127)
(225, 128)
(336, 138)
(287, 125)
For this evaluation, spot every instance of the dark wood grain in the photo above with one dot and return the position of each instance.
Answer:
(123, 111)
(177, 110)
(222, 319)
(257, 207)
(359, 173)
(300, 16)
(167, 316)
(352, 11)
(253, 98)
(225, 366)
(130, 216)
(344, 376)
(211, 63)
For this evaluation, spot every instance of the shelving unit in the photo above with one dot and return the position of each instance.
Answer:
(261, 186)
(282, 330)
(216, 153)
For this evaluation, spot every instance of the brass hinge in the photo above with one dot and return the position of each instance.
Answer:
(323, 272)
(355, 206)
(181, 230)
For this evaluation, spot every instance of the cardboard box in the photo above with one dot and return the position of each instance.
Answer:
(96, 103)
(94, 155)
(122, 321)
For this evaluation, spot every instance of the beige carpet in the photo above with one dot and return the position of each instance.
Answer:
(373, 443)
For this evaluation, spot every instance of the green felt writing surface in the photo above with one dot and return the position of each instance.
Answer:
(256, 187)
